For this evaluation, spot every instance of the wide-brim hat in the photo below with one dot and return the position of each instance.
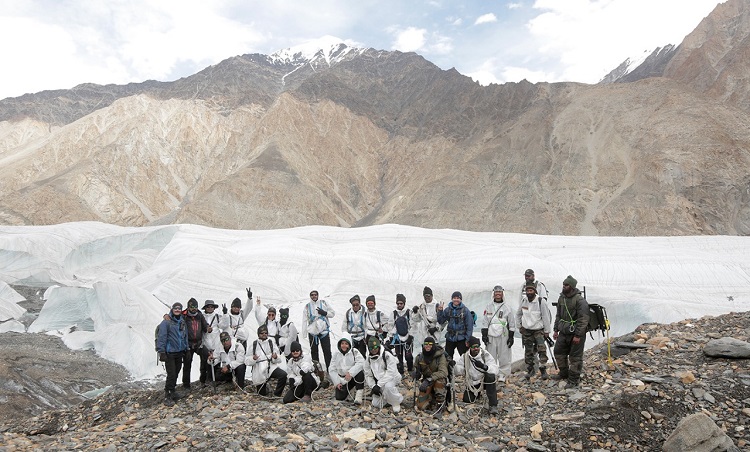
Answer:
(209, 303)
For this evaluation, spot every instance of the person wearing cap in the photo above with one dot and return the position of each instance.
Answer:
(431, 374)
(535, 323)
(263, 357)
(211, 337)
(347, 372)
(425, 318)
(376, 321)
(288, 332)
(460, 325)
(402, 343)
(300, 376)
(481, 371)
(172, 344)
(530, 278)
(571, 320)
(315, 322)
(233, 321)
(382, 377)
(228, 360)
(354, 324)
(498, 328)
(197, 327)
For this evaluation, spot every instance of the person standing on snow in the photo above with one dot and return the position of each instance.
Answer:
(535, 322)
(354, 324)
(426, 318)
(172, 344)
(571, 321)
(498, 328)
(460, 325)
(347, 372)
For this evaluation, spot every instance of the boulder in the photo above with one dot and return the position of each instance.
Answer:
(698, 433)
(727, 347)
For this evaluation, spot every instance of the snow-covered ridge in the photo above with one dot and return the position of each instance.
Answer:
(328, 48)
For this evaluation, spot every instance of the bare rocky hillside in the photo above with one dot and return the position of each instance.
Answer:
(387, 137)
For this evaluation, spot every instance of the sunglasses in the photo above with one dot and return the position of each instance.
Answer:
(428, 343)
(475, 346)
(226, 339)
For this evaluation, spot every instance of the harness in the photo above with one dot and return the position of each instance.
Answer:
(350, 325)
(312, 319)
(456, 319)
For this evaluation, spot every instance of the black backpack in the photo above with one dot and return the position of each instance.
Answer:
(598, 320)
(401, 323)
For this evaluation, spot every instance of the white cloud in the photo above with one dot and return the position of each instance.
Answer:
(485, 19)
(515, 5)
(410, 39)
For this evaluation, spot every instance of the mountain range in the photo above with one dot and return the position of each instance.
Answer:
(352, 137)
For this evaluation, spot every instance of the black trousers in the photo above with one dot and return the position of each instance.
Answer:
(173, 364)
(239, 374)
(187, 364)
(450, 346)
(403, 351)
(325, 343)
(489, 388)
(357, 382)
(305, 388)
(360, 345)
(280, 377)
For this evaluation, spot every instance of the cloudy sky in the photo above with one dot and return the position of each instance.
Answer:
(54, 44)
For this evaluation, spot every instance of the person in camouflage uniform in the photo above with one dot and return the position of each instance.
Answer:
(571, 321)
(535, 321)
(431, 374)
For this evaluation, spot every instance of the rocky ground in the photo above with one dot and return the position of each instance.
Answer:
(659, 376)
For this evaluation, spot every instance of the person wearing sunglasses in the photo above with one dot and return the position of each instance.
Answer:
(426, 317)
(172, 344)
(229, 360)
(431, 374)
(381, 376)
(481, 370)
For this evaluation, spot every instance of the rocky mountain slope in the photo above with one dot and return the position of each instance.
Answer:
(358, 137)
(658, 376)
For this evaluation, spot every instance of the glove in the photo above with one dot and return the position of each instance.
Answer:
(409, 339)
(432, 330)
(249, 293)
(415, 309)
(416, 374)
(376, 390)
(322, 312)
(291, 382)
(162, 357)
(425, 384)
(224, 308)
(510, 340)
(480, 365)
(486, 336)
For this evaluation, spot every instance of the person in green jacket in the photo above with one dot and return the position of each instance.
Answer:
(571, 321)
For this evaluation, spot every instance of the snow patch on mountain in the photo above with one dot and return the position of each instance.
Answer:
(327, 48)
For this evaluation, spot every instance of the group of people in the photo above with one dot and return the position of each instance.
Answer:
(379, 350)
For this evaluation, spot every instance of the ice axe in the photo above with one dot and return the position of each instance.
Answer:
(551, 346)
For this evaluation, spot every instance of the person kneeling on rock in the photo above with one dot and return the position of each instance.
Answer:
(264, 359)
(381, 375)
(481, 370)
(229, 360)
(347, 372)
(300, 376)
(431, 374)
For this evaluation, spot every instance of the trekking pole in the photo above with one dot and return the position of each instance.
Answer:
(213, 377)
(551, 346)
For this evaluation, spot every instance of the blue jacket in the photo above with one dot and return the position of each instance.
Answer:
(460, 322)
(173, 335)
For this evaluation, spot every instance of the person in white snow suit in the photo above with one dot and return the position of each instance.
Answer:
(347, 372)
(211, 337)
(229, 360)
(498, 328)
(279, 330)
(288, 332)
(354, 324)
(460, 325)
(535, 323)
(481, 370)
(400, 338)
(233, 322)
(172, 344)
(425, 318)
(317, 326)
(382, 377)
(300, 376)
(263, 357)
(376, 321)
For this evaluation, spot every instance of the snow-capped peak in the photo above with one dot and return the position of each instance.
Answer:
(329, 48)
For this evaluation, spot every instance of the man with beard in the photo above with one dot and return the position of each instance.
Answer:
(354, 324)
(172, 344)
(300, 376)
(571, 321)
(431, 373)
(499, 326)
(534, 320)
(228, 360)
(480, 369)
(381, 374)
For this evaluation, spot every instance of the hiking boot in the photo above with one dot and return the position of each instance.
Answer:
(358, 396)
(543, 373)
(176, 395)
(168, 399)
(306, 399)
(573, 383)
(186, 387)
(560, 376)
(493, 410)
(528, 375)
